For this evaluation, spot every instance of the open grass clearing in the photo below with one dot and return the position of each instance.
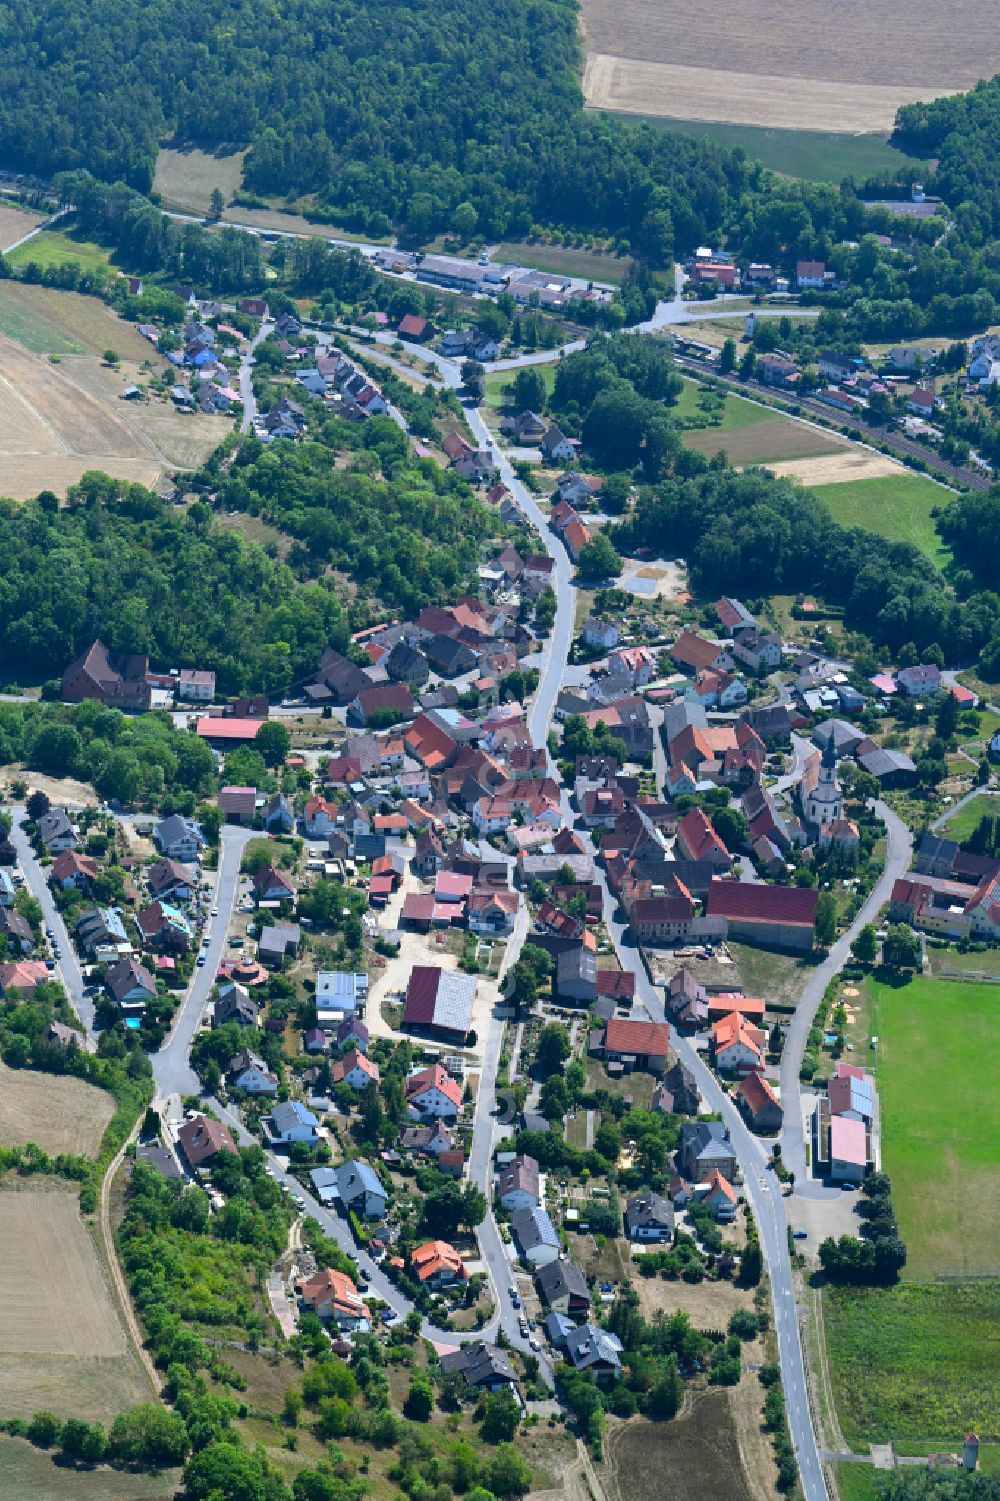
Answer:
(764, 442)
(814, 155)
(58, 1113)
(62, 1344)
(897, 507)
(54, 247)
(917, 1361)
(185, 179)
(709, 1305)
(30, 1474)
(941, 1122)
(965, 821)
(978, 965)
(16, 221)
(589, 265)
(497, 380)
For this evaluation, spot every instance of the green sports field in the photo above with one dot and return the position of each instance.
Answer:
(940, 1122)
(897, 507)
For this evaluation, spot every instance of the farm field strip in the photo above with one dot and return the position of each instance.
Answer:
(828, 71)
(840, 468)
(62, 1345)
(814, 155)
(630, 87)
(763, 443)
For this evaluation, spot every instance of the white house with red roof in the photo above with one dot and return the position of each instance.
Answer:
(433, 1094)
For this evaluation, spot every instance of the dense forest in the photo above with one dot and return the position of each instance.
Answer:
(417, 113)
(738, 527)
(963, 132)
(120, 563)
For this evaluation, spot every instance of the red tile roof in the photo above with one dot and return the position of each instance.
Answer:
(793, 906)
(229, 728)
(637, 1037)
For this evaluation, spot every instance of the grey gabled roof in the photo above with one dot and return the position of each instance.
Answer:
(534, 1228)
(560, 1277)
(589, 1345)
(355, 1177)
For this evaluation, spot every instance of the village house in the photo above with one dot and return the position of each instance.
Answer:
(433, 1094)
(56, 831)
(649, 1218)
(116, 679)
(636, 1045)
(235, 1004)
(179, 838)
(704, 1147)
(249, 1072)
(333, 1298)
(518, 1184)
(564, 1287)
(718, 1196)
(596, 1351)
(483, 1367)
(361, 1190)
(737, 1045)
(536, 1235)
(238, 804)
(130, 985)
(438, 1265)
(356, 1070)
(202, 1140)
(70, 870)
(289, 1123)
(758, 1103)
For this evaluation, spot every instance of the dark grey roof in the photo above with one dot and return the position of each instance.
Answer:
(561, 1277)
(481, 1364)
(648, 1210)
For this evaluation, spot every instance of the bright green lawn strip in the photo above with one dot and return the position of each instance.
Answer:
(496, 382)
(897, 507)
(53, 248)
(940, 1122)
(966, 820)
(816, 155)
(918, 1361)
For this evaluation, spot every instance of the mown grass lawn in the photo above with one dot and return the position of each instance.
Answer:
(940, 1121)
(918, 1361)
(967, 819)
(897, 507)
(51, 247)
(498, 379)
(736, 413)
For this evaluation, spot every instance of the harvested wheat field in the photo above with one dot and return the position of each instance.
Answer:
(770, 443)
(838, 468)
(62, 1345)
(823, 69)
(62, 410)
(16, 222)
(56, 1112)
